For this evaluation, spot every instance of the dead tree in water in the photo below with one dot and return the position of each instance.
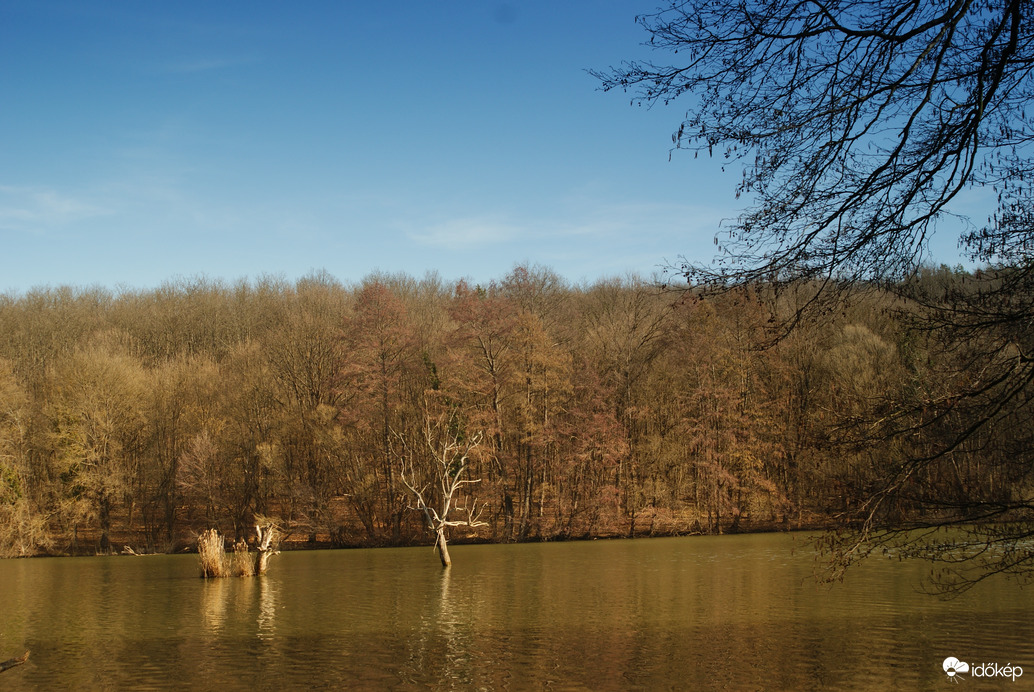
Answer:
(434, 483)
(266, 546)
(215, 563)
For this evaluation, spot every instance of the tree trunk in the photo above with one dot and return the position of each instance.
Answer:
(443, 549)
(268, 539)
(262, 561)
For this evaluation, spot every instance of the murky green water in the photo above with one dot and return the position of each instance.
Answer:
(737, 612)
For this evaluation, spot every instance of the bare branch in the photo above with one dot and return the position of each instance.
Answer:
(446, 454)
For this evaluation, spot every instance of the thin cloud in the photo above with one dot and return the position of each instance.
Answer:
(204, 64)
(35, 209)
(643, 218)
(635, 227)
(466, 233)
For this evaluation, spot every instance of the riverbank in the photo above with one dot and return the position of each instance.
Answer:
(88, 542)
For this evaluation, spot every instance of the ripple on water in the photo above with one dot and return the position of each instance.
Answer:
(718, 613)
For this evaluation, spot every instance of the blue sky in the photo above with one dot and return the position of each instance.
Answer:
(144, 141)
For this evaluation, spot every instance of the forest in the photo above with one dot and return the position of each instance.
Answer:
(615, 408)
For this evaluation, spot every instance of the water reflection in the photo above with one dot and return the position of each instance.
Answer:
(267, 608)
(232, 604)
(733, 612)
(455, 627)
(213, 604)
(436, 645)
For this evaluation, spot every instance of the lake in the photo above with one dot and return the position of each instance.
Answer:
(724, 612)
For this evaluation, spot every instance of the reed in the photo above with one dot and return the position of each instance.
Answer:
(212, 555)
(243, 561)
(215, 562)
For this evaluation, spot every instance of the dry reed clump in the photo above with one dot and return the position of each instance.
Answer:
(212, 555)
(243, 563)
(216, 563)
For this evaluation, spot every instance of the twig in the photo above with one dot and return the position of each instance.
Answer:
(12, 662)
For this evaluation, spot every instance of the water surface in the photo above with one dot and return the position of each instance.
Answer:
(733, 612)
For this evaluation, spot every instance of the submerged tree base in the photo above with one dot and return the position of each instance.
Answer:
(216, 563)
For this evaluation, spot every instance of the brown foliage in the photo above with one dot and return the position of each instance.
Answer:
(608, 409)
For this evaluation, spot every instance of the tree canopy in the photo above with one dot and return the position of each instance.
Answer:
(858, 123)
(605, 409)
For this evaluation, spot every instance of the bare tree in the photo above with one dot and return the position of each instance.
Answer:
(436, 474)
(859, 123)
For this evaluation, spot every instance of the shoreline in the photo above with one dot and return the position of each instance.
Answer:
(188, 546)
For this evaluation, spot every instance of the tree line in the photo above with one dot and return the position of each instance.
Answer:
(613, 408)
